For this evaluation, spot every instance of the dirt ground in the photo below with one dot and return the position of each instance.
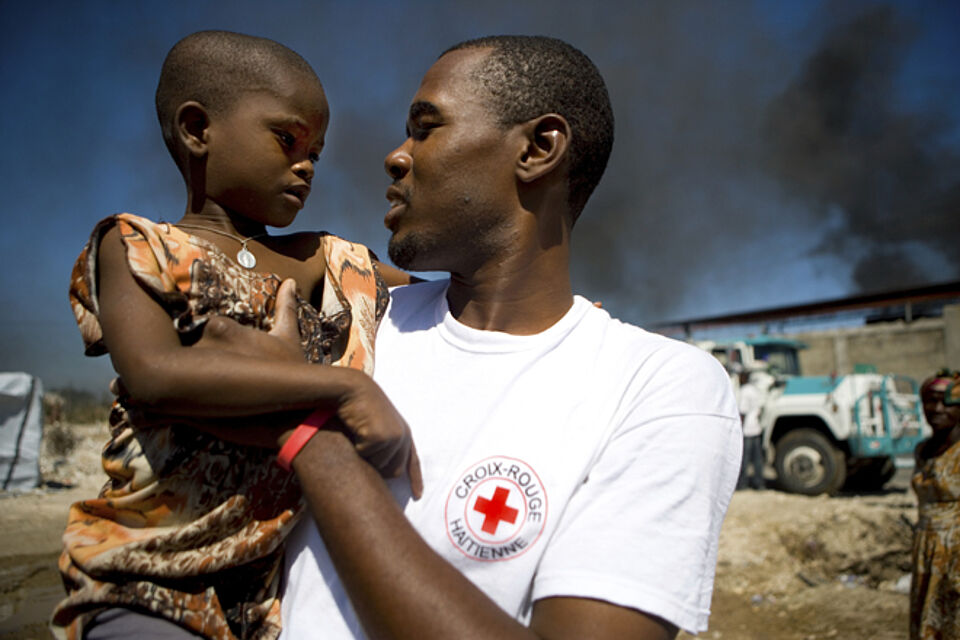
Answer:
(798, 568)
(790, 567)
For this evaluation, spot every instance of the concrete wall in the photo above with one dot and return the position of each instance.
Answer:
(951, 320)
(915, 349)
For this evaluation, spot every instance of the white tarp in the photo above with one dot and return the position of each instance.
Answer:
(21, 429)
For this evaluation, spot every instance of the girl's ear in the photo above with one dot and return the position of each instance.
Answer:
(547, 144)
(192, 127)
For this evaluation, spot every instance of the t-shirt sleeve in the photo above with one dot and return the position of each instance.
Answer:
(642, 530)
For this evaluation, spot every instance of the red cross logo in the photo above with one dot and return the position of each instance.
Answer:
(495, 510)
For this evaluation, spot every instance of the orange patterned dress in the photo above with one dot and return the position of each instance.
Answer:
(935, 590)
(188, 527)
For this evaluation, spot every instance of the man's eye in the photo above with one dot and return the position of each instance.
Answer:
(314, 157)
(421, 130)
(286, 138)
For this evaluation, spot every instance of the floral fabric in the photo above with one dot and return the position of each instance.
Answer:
(935, 590)
(189, 527)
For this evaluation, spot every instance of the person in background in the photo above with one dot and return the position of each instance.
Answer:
(750, 403)
(935, 589)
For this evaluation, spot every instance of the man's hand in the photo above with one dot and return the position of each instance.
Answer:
(365, 415)
(280, 344)
(379, 433)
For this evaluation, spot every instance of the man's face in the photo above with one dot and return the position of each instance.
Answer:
(261, 151)
(454, 186)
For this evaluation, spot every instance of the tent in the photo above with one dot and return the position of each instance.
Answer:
(21, 429)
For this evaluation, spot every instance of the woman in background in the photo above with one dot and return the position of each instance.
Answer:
(935, 589)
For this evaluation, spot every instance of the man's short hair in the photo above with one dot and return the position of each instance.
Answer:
(214, 68)
(528, 76)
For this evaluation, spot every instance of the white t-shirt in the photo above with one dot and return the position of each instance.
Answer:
(750, 403)
(593, 459)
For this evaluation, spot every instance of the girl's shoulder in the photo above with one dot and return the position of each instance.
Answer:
(321, 245)
(302, 245)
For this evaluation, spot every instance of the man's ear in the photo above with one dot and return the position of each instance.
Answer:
(192, 123)
(547, 144)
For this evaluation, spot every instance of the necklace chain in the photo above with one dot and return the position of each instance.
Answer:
(245, 257)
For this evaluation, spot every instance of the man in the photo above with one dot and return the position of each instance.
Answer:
(576, 469)
(750, 404)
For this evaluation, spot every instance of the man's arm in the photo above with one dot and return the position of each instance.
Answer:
(400, 588)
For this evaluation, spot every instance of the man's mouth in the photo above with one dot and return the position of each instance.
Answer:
(398, 199)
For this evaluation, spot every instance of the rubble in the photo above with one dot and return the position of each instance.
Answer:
(792, 567)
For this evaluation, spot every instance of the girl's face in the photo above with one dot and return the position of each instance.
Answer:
(939, 415)
(261, 152)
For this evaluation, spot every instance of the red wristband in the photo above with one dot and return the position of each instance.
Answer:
(300, 436)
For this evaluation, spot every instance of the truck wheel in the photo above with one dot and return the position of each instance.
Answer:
(808, 463)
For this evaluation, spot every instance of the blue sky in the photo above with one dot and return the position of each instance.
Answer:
(711, 202)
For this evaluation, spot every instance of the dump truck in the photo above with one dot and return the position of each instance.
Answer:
(824, 433)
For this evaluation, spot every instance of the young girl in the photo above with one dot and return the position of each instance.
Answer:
(935, 588)
(186, 536)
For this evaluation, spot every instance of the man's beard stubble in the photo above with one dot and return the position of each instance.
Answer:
(458, 248)
(405, 251)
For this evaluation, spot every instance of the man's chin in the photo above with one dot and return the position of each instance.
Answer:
(408, 252)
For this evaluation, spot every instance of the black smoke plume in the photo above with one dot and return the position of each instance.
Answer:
(881, 175)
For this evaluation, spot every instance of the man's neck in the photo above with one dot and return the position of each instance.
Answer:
(522, 296)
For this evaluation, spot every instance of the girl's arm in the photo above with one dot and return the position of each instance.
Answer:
(213, 380)
(394, 277)
(160, 372)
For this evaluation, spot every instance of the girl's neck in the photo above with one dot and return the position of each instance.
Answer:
(222, 220)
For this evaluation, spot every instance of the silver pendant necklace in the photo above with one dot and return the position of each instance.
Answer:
(245, 257)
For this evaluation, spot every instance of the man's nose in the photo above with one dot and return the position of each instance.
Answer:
(398, 162)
